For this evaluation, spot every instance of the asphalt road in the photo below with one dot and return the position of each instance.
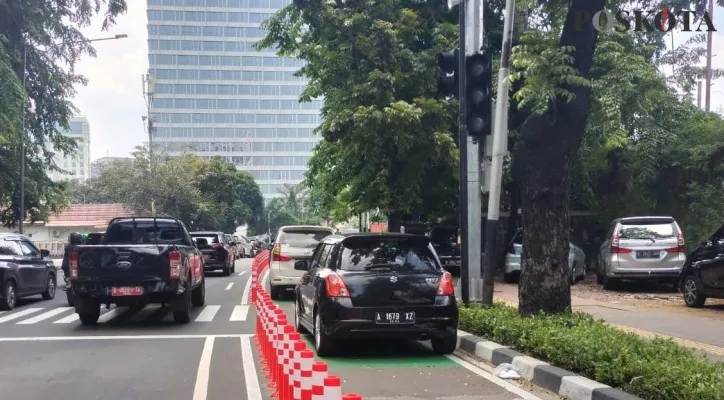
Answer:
(408, 370)
(134, 354)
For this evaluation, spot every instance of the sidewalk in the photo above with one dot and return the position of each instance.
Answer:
(702, 334)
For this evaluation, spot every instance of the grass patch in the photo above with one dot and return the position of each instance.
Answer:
(653, 369)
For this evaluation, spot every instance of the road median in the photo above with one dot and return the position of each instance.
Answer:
(581, 358)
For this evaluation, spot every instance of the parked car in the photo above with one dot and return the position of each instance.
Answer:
(216, 251)
(145, 260)
(244, 246)
(703, 274)
(644, 248)
(24, 270)
(376, 286)
(446, 241)
(292, 243)
(514, 252)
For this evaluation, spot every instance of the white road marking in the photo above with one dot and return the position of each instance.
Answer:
(229, 286)
(253, 390)
(240, 313)
(241, 273)
(494, 379)
(202, 376)
(19, 314)
(247, 290)
(129, 337)
(143, 313)
(113, 313)
(45, 316)
(67, 320)
(207, 314)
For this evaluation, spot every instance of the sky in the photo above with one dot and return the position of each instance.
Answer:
(113, 99)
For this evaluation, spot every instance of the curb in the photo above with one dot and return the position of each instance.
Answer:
(564, 383)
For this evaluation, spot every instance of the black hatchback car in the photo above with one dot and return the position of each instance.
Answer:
(216, 251)
(703, 274)
(376, 286)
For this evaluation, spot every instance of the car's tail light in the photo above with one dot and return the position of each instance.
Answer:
(615, 248)
(73, 265)
(446, 286)
(174, 264)
(680, 247)
(336, 286)
(277, 254)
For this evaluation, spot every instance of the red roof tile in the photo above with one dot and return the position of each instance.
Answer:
(95, 215)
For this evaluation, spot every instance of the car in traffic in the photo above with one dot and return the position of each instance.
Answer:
(375, 285)
(216, 251)
(703, 274)
(231, 241)
(514, 252)
(144, 260)
(24, 271)
(642, 248)
(244, 246)
(292, 243)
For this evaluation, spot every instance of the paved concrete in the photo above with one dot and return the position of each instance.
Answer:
(134, 354)
(692, 331)
(400, 370)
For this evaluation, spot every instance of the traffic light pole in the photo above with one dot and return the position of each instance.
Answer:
(499, 147)
(463, 146)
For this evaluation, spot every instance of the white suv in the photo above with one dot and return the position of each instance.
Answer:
(292, 243)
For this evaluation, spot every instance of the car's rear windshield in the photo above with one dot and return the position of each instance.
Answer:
(145, 231)
(400, 255)
(304, 238)
(655, 229)
(210, 239)
(444, 236)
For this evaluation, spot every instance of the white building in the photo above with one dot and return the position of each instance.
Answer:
(76, 165)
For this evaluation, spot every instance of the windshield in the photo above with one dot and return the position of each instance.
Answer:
(302, 238)
(647, 231)
(388, 254)
(209, 238)
(145, 231)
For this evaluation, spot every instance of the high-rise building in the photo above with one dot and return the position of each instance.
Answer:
(74, 165)
(216, 95)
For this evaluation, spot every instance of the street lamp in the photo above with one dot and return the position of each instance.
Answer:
(21, 219)
(268, 220)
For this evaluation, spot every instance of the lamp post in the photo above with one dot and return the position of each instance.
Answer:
(21, 219)
(268, 220)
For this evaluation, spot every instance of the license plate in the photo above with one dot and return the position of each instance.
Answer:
(647, 254)
(395, 318)
(127, 291)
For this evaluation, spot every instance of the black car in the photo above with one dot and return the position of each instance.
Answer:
(217, 251)
(376, 286)
(24, 270)
(445, 240)
(144, 260)
(703, 273)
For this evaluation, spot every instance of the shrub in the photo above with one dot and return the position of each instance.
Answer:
(657, 369)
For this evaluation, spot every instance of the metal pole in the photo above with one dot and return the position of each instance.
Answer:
(21, 219)
(709, 39)
(463, 145)
(698, 94)
(500, 147)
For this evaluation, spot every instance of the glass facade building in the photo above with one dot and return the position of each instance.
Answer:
(216, 95)
(76, 165)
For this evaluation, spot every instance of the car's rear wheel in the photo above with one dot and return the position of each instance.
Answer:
(324, 344)
(9, 296)
(198, 297)
(50, 286)
(182, 311)
(444, 345)
(90, 314)
(227, 269)
(275, 292)
(69, 296)
(693, 296)
(297, 319)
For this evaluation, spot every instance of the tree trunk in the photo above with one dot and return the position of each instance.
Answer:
(394, 221)
(548, 147)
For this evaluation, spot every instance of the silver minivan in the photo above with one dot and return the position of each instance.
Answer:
(644, 248)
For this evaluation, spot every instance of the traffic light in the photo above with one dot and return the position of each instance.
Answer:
(447, 84)
(478, 94)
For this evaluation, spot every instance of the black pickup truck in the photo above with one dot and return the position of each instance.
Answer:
(143, 260)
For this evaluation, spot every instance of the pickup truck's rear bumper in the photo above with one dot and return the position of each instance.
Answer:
(152, 292)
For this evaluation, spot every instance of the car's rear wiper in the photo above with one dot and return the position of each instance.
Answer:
(381, 266)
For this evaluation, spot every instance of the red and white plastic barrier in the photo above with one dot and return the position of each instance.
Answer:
(288, 364)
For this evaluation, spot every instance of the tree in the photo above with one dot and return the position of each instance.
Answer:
(385, 139)
(49, 34)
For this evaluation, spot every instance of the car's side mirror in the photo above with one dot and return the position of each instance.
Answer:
(301, 265)
(44, 253)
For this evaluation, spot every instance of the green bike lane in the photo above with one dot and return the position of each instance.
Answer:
(400, 370)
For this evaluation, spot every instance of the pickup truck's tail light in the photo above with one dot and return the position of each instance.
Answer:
(335, 286)
(277, 254)
(174, 264)
(73, 265)
(446, 286)
(680, 247)
(615, 248)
